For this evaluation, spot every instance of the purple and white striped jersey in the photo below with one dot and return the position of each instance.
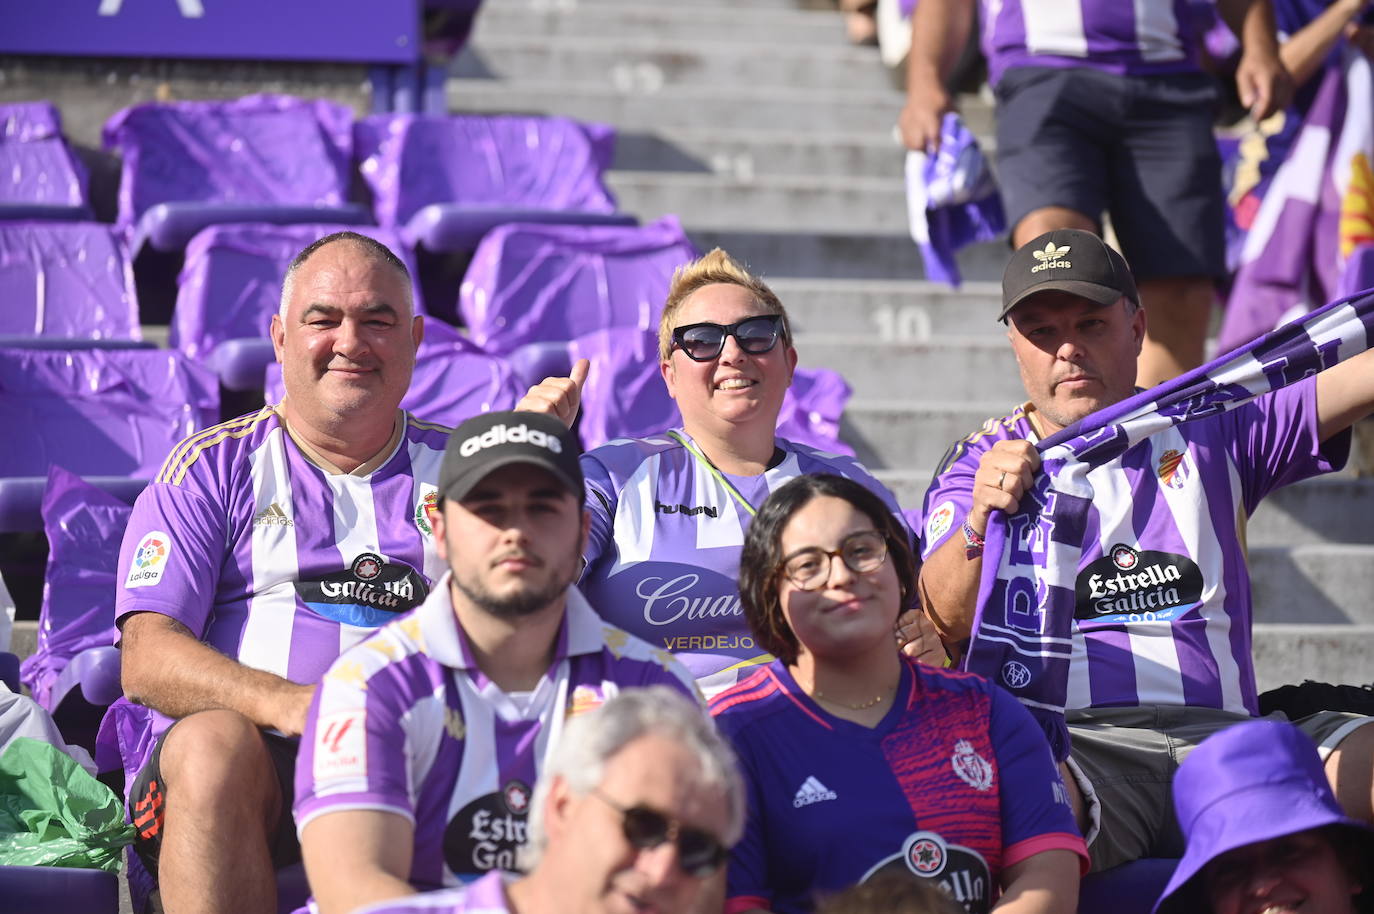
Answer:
(1133, 38)
(406, 722)
(273, 561)
(1163, 611)
(663, 555)
(485, 896)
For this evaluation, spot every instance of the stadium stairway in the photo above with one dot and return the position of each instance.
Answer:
(767, 134)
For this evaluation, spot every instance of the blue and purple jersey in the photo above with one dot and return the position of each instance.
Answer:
(1163, 610)
(270, 559)
(663, 555)
(406, 722)
(954, 785)
(1141, 38)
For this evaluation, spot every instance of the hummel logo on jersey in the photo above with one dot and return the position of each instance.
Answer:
(272, 515)
(812, 791)
(661, 508)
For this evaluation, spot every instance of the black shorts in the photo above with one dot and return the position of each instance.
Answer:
(1139, 148)
(147, 800)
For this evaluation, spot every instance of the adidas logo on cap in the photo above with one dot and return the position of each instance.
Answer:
(506, 434)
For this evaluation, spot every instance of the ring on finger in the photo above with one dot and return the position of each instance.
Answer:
(1001, 479)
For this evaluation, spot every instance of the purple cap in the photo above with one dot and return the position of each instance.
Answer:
(1249, 783)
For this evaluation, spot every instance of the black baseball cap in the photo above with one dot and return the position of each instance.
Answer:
(489, 441)
(1067, 260)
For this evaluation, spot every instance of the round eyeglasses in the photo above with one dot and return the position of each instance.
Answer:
(698, 852)
(705, 341)
(862, 553)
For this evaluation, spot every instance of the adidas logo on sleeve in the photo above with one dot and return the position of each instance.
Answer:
(812, 791)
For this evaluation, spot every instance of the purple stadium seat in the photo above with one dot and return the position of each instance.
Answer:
(445, 181)
(540, 283)
(57, 888)
(454, 379)
(99, 412)
(625, 396)
(231, 286)
(74, 671)
(263, 158)
(65, 280)
(40, 178)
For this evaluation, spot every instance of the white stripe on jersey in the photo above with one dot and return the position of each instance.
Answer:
(267, 630)
(728, 527)
(355, 532)
(1191, 509)
(1054, 27)
(634, 516)
(423, 726)
(1156, 31)
(424, 463)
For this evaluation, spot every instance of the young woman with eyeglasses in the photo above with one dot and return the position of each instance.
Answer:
(669, 512)
(859, 761)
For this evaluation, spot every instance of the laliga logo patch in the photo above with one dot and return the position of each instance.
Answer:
(940, 520)
(505, 434)
(150, 560)
(1173, 469)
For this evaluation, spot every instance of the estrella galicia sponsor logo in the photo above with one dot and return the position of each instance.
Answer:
(686, 510)
(487, 833)
(150, 560)
(960, 871)
(510, 434)
(1137, 585)
(370, 593)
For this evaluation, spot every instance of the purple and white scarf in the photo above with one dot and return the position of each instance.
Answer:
(1022, 632)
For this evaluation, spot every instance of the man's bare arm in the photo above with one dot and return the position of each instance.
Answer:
(949, 579)
(357, 857)
(1345, 393)
(166, 668)
(939, 31)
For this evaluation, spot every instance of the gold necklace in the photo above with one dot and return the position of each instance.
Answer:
(861, 706)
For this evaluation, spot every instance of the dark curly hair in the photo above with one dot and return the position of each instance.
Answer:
(761, 559)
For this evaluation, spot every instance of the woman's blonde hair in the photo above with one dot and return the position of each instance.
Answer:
(715, 267)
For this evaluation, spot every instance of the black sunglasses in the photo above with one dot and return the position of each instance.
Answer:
(704, 342)
(698, 853)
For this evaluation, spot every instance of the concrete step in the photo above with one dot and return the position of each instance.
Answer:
(638, 62)
(896, 311)
(1319, 583)
(795, 111)
(769, 204)
(783, 23)
(953, 370)
(901, 434)
(742, 154)
(1329, 653)
(822, 254)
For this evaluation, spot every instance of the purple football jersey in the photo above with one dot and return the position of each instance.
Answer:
(407, 722)
(273, 561)
(954, 785)
(485, 896)
(1164, 608)
(663, 555)
(1140, 38)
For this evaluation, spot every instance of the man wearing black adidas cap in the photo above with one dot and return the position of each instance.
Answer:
(1160, 652)
(423, 743)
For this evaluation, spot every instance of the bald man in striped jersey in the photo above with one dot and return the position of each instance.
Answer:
(266, 546)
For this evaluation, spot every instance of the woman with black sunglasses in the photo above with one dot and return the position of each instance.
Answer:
(859, 761)
(669, 512)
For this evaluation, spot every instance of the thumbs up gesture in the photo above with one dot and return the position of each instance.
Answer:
(559, 397)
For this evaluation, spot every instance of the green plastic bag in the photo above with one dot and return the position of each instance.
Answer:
(53, 813)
